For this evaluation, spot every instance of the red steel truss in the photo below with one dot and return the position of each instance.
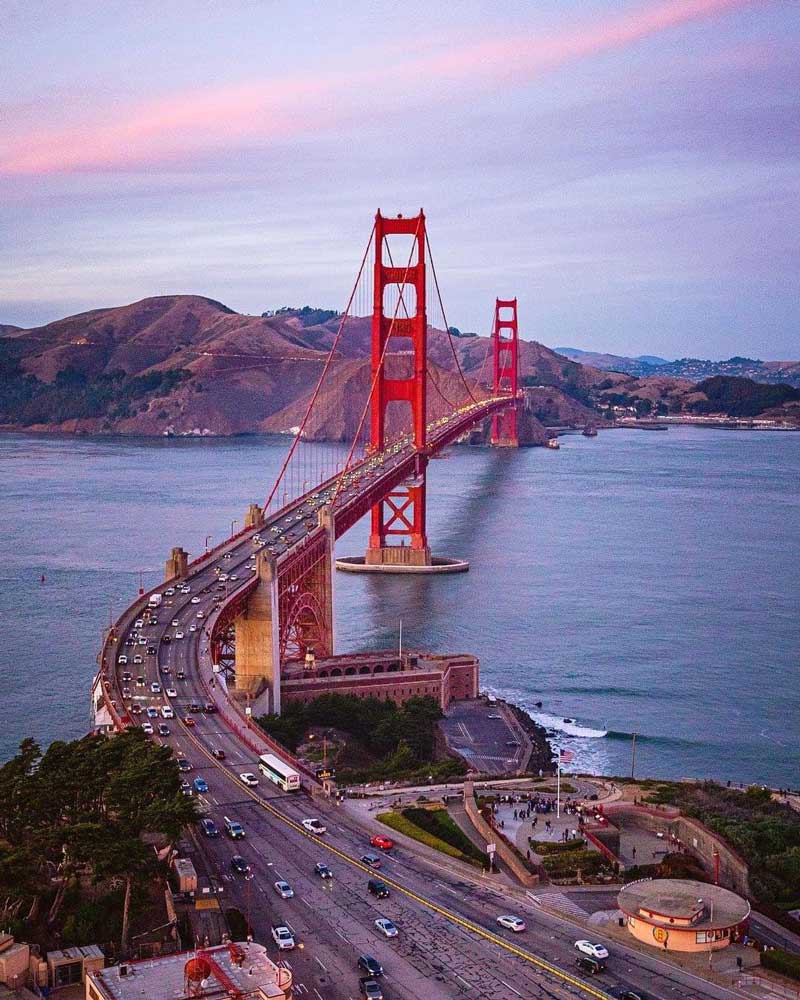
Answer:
(399, 518)
(505, 340)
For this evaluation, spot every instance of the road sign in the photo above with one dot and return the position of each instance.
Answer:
(491, 848)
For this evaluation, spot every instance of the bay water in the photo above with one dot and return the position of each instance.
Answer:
(632, 582)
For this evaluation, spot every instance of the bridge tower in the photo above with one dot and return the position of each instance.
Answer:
(398, 534)
(505, 341)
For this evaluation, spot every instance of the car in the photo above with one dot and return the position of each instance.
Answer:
(163, 729)
(229, 555)
(179, 635)
(370, 989)
(126, 692)
(166, 639)
(209, 708)
(165, 668)
(200, 785)
(155, 687)
(233, 576)
(138, 659)
(283, 937)
(516, 924)
(382, 842)
(169, 592)
(175, 623)
(591, 965)
(136, 709)
(171, 693)
(209, 827)
(386, 927)
(122, 660)
(591, 949)
(219, 754)
(249, 779)
(167, 712)
(623, 993)
(152, 712)
(147, 727)
(233, 828)
(130, 641)
(141, 641)
(126, 677)
(151, 650)
(314, 826)
(189, 721)
(184, 764)
(239, 865)
(195, 600)
(139, 623)
(180, 675)
(370, 859)
(371, 966)
(193, 707)
(193, 627)
(377, 888)
(200, 614)
(322, 870)
(283, 889)
(140, 681)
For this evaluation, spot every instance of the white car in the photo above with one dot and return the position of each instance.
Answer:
(385, 926)
(283, 937)
(139, 623)
(175, 623)
(179, 635)
(249, 779)
(201, 614)
(193, 627)
(122, 660)
(167, 712)
(147, 727)
(516, 924)
(195, 600)
(314, 826)
(155, 687)
(284, 890)
(171, 693)
(592, 949)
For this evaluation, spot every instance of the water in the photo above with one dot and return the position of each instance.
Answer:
(631, 582)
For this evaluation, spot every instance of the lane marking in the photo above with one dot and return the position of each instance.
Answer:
(508, 986)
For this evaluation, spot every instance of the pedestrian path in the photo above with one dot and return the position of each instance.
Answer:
(561, 903)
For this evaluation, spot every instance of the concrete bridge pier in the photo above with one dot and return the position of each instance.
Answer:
(177, 564)
(257, 645)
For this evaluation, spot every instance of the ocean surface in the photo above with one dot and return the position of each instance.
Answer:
(633, 582)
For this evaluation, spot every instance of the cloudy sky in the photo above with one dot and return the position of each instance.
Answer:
(630, 169)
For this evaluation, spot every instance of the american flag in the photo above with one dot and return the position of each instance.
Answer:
(565, 756)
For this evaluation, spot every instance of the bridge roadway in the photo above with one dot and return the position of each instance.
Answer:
(448, 945)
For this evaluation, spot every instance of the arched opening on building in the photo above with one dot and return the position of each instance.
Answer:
(349, 671)
(364, 670)
(336, 672)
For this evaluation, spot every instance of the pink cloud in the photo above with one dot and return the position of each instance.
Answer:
(211, 119)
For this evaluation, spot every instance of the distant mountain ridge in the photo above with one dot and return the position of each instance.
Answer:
(187, 364)
(695, 369)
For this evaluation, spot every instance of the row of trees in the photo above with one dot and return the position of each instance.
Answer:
(79, 813)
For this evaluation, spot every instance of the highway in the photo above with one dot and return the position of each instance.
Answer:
(448, 942)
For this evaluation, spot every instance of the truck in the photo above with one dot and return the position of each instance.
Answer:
(155, 601)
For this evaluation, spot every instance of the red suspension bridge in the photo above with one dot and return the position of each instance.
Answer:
(283, 611)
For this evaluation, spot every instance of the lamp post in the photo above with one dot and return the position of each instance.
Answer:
(234, 522)
(208, 539)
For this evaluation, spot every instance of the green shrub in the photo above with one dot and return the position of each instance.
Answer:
(782, 962)
(439, 823)
(569, 863)
(550, 847)
(400, 823)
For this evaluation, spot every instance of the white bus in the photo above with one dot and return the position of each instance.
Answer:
(281, 774)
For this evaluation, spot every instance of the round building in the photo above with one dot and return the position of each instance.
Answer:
(683, 915)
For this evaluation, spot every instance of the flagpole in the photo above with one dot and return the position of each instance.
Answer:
(558, 786)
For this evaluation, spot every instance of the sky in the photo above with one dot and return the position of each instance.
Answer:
(629, 169)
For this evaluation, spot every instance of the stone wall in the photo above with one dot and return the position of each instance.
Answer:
(507, 853)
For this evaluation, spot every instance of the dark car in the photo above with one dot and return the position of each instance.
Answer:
(209, 708)
(219, 754)
(194, 707)
(151, 651)
(591, 965)
(210, 828)
(183, 764)
(378, 888)
(239, 865)
(165, 639)
(323, 871)
(623, 993)
(371, 966)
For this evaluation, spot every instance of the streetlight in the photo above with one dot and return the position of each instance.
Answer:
(234, 522)
(208, 539)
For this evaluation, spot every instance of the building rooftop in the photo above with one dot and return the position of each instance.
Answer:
(243, 966)
(704, 906)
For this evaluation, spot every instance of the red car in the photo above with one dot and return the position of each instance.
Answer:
(188, 721)
(384, 843)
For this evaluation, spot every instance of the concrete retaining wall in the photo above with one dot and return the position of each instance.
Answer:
(505, 851)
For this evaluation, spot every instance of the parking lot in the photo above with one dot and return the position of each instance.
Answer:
(486, 736)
